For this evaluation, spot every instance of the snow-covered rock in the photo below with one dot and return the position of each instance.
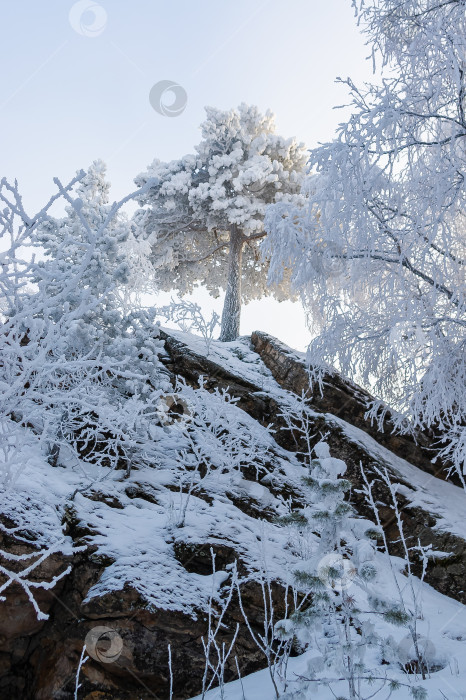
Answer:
(147, 575)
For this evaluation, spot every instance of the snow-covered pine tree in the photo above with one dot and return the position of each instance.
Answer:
(331, 623)
(391, 195)
(109, 268)
(204, 218)
(85, 375)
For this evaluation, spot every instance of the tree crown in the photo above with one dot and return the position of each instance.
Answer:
(239, 167)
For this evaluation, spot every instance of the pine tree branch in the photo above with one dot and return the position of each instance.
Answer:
(207, 255)
(254, 237)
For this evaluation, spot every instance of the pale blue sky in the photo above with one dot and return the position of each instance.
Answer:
(67, 98)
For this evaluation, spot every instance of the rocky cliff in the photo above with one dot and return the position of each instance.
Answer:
(152, 579)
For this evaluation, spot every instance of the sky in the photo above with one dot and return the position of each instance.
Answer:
(80, 75)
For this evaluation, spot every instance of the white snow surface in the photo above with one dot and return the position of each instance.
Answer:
(445, 501)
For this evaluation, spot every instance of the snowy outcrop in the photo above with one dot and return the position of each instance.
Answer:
(344, 399)
(147, 573)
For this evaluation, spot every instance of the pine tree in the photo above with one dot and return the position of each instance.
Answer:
(92, 252)
(85, 374)
(87, 247)
(330, 622)
(204, 218)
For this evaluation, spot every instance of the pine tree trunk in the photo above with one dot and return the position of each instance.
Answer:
(232, 306)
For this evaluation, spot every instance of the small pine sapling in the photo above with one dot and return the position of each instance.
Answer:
(409, 610)
(338, 578)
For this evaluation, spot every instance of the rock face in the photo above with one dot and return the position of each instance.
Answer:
(18, 620)
(341, 400)
(39, 660)
(344, 399)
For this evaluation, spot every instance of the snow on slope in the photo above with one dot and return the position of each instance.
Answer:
(443, 500)
(138, 536)
(444, 623)
(442, 632)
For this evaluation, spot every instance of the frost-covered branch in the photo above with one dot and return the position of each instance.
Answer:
(188, 315)
(214, 440)
(21, 578)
